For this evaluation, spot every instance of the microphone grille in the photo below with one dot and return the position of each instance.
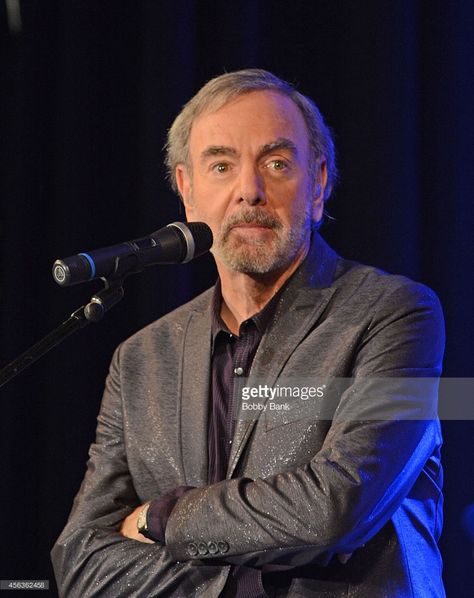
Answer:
(198, 238)
(202, 236)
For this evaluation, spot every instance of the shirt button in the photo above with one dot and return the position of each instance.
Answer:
(238, 371)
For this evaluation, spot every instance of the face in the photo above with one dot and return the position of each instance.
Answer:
(249, 180)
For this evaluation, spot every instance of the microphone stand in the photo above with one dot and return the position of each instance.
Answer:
(93, 311)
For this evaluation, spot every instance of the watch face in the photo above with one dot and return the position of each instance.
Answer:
(141, 522)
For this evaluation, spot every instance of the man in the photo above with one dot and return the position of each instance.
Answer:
(185, 494)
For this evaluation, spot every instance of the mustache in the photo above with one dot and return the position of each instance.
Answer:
(254, 216)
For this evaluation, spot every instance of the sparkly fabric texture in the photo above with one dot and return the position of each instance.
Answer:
(296, 493)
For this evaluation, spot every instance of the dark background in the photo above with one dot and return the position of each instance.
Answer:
(88, 90)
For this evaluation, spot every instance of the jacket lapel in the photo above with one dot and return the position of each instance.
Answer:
(194, 397)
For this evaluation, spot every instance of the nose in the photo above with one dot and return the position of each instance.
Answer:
(252, 189)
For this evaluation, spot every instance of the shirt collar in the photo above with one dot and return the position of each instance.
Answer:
(260, 319)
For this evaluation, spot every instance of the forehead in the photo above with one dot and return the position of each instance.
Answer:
(250, 120)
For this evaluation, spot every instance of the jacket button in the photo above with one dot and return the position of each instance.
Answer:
(222, 547)
(192, 549)
(202, 548)
(212, 547)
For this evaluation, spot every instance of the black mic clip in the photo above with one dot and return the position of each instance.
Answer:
(103, 300)
(112, 292)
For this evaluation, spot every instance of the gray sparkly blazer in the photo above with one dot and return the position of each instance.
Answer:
(298, 490)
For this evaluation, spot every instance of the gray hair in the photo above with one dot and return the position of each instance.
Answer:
(220, 90)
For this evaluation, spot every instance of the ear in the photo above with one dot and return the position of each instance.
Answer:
(183, 182)
(321, 181)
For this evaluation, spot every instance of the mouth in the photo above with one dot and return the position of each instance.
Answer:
(251, 230)
(252, 225)
(256, 225)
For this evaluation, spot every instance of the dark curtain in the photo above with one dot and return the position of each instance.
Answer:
(88, 91)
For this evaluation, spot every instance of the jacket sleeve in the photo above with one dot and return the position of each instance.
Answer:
(91, 558)
(379, 441)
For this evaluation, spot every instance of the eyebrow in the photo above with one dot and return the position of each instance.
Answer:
(218, 150)
(268, 148)
(278, 144)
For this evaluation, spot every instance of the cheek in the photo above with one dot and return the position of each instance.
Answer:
(295, 208)
(206, 211)
(211, 204)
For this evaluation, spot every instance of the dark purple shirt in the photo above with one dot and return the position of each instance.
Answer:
(232, 358)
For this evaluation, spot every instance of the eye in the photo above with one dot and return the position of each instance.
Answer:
(277, 165)
(221, 167)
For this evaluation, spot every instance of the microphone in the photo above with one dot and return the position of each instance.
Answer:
(176, 243)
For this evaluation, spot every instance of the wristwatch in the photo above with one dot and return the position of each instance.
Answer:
(142, 524)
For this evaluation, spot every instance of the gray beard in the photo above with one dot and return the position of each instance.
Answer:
(256, 256)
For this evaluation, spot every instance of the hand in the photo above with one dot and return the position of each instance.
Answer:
(129, 527)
